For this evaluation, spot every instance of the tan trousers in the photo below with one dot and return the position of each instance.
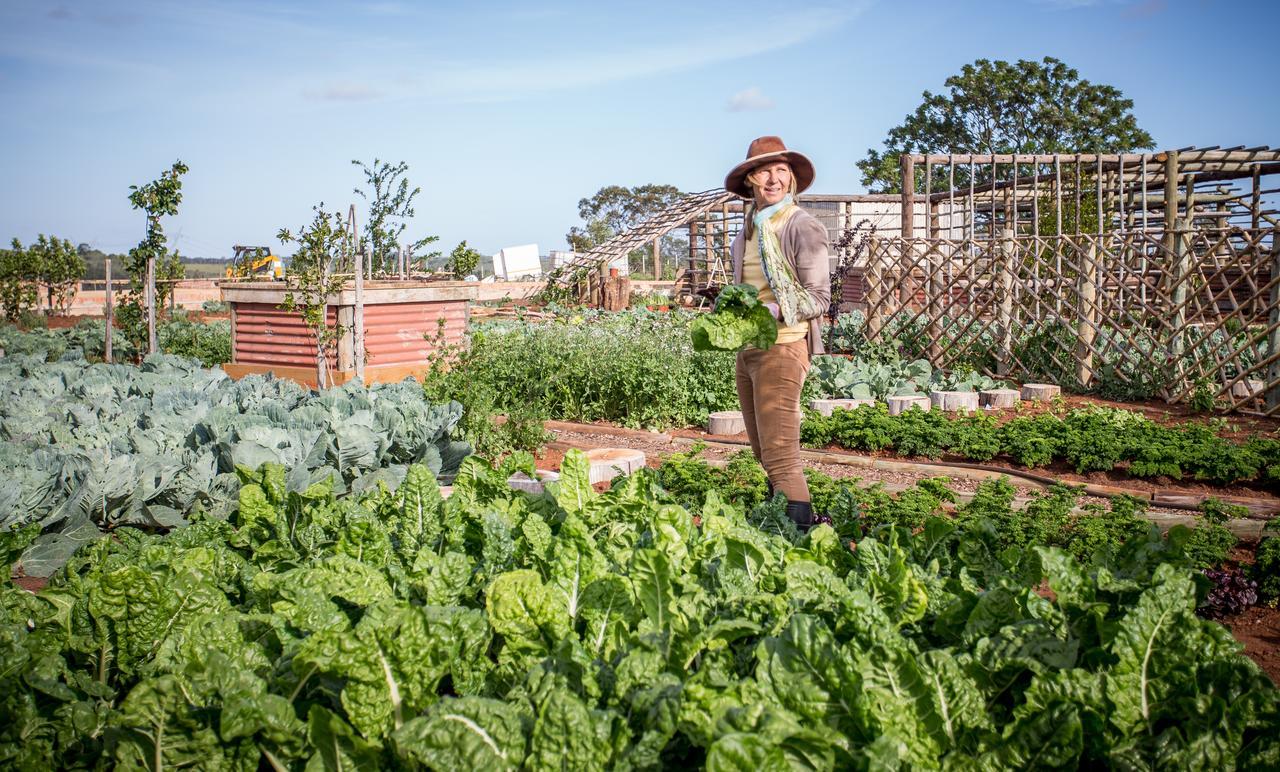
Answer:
(769, 384)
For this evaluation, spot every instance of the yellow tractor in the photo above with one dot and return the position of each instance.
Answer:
(254, 262)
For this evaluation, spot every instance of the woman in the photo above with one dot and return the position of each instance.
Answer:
(782, 250)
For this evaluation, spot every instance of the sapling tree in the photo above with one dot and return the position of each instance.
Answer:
(158, 198)
(312, 280)
(58, 266)
(17, 282)
(463, 259)
(390, 204)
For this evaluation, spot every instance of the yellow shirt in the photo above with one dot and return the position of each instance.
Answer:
(753, 274)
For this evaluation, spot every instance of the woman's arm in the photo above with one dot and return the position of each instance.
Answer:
(806, 239)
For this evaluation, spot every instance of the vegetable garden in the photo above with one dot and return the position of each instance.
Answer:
(249, 574)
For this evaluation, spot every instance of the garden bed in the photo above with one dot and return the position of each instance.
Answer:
(1256, 628)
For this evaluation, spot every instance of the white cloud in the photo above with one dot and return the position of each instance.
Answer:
(504, 80)
(343, 92)
(749, 99)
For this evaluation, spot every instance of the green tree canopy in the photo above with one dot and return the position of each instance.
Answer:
(1003, 107)
(463, 260)
(59, 268)
(615, 209)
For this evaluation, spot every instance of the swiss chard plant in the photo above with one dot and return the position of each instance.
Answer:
(575, 629)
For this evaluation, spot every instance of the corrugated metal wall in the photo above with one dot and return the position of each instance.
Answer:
(394, 332)
(266, 335)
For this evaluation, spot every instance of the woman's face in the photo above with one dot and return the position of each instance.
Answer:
(770, 183)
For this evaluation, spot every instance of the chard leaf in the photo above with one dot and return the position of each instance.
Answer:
(338, 748)
(1156, 644)
(651, 580)
(805, 671)
(739, 319)
(464, 733)
(573, 490)
(569, 735)
(531, 617)
(1050, 739)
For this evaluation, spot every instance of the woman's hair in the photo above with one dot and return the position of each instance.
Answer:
(749, 209)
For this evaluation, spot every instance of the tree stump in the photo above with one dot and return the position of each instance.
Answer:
(608, 463)
(1041, 391)
(726, 422)
(617, 292)
(898, 405)
(998, 398)
(828, 406)
(954, 400)
(522, 482)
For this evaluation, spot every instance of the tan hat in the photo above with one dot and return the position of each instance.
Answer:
(766, 150)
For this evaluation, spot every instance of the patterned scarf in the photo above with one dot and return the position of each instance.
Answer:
(794, 301)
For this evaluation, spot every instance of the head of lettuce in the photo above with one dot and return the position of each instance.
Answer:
(739, 320)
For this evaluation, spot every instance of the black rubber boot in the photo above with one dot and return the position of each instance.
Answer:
(801, 513)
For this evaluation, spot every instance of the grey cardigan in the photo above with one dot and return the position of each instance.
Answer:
(804, 242)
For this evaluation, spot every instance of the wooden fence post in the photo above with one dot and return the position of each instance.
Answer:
(933, 302)
(1272, 384)
(906, 288)
(152, 346)
(694, 284)
(111, 316)
(357, 321)
(1087, 313)
(874, 278)
(1008, 250)
(1175, 267)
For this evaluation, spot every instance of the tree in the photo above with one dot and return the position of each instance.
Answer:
(158, 198)
(58, 266)
(999, 107)
(463, 259)
(389, 200)
(311, 281)
(17, 282)
(615, 209)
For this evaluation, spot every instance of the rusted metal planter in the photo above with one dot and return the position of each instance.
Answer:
(402, 329)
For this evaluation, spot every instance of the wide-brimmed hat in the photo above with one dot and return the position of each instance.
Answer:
(767, 150)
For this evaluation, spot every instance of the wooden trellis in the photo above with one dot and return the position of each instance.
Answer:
(585, 269)
(1160, 311)
(1153, 273)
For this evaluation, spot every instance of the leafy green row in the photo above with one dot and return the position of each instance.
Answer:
(1095, 439)
(209, 342)
(91, 447)
(499, 630)
(1049, 520)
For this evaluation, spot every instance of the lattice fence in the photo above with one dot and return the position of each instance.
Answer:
(1128, 314)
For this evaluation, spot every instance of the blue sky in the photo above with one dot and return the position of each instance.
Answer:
(508, 113)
